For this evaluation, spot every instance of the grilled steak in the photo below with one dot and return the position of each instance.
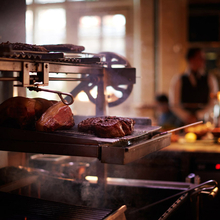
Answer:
(107, 127)
(58, 116)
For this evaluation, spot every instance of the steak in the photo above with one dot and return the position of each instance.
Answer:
(107, 127)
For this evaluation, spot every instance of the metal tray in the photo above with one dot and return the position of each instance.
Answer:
(74, 143)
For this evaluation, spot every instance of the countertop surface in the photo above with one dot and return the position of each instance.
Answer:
(199, 146)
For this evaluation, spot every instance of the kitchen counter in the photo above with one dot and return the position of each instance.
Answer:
(199, 146)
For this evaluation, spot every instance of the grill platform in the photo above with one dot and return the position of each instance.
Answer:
(107, 150)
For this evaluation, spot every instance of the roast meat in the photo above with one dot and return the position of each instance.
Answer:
(18, 112)
(58, 116)
(23, 112)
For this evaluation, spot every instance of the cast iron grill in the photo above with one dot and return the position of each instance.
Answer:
(27, 208)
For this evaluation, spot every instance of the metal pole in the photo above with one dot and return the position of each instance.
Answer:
(101, 100)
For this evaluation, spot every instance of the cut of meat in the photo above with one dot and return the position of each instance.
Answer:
(129, 128)
(58, 116)
(88, 125)
(17, 112)
(108, 127)
(23, 112)
(42, 105)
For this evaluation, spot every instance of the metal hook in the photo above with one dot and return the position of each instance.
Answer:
(37, 89)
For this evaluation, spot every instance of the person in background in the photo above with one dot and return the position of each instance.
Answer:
(167, 119)
(189, 93)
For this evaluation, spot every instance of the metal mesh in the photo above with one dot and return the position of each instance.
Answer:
(20, 207)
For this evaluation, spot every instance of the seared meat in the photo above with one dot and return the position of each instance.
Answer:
(17, 112)
(58, 116)
(127, 125)
(109, 126)
(23, 112)
(42, 105)
(88, 125)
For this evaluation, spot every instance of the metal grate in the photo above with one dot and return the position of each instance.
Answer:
(26, 208)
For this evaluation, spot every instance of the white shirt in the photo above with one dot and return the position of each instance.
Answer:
(175, 95)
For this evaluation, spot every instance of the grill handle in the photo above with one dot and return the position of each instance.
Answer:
(60, 94)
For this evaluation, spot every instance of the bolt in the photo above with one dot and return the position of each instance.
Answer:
(26, 65)
(46, 66)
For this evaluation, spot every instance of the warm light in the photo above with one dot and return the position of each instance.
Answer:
(218, 96)
(50, 26)
(190, 137)
(217, 166)
(94, 92)
(119, 20)
(50, 19)
(92, 179)
(89, 21)
(83, 97)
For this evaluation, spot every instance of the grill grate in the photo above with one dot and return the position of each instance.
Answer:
(26, 208)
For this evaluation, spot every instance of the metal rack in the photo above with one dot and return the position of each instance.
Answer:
(43, 70)
(99, 74)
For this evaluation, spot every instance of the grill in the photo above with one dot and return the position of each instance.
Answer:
(74, 143)
(90, 70)
(21, 207)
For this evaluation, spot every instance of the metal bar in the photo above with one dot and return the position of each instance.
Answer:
(25, 73)
(45, 74)
(134, 152)
(50, 79)
(67, 68)
(9, 78)
(101, 100)
(67, 79)
(10, 66)
(50, 148)
(118, 214)
(17, 66)
(60, 94)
